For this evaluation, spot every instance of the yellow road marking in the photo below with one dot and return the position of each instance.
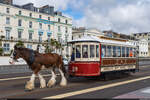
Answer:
(94, 89)
(7, 79)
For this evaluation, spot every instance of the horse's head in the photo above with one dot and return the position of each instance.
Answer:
(16, 54)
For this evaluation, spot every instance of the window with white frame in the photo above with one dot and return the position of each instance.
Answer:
(6, 47)
(7, 20)
(30, 24)
(19, 34)
(40, 25)
(7, 34)
(7, 10)
(49, 27)
(20, 12)
(29, 46)
(19, 22)
(30, 35)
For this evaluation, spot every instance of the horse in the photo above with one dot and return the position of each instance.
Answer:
(38, 61)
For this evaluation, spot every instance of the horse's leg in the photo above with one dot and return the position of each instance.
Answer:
(63, 79)
(30, 84)
(52, 81)
(42, 81)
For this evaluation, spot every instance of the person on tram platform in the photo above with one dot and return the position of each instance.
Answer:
(78, 54)
(73, 55)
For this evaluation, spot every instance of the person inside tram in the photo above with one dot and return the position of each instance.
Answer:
(85, 52)
(85, 55)
(78, 54)
(131, 53)
(73, 55)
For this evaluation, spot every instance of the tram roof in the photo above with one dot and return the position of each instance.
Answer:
(102, 39)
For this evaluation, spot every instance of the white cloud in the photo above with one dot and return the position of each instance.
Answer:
(124, 17)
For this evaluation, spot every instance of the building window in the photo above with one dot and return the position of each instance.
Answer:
(29, 46)
(59, 29)
(7, 20)
(7, 10)
(40, 16)
(19, 34)
(30, 35)
(66, 21)
(30, 24)
(19, 22)
(40, 25)
(30, 14)
(49, 18)
(58, 19)
(20, 12)
(49, 27)
(66, 29)
(48, 38)
(40, 37)
(6, 47)
(7, 34)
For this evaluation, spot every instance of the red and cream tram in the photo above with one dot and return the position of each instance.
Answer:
(93, 56)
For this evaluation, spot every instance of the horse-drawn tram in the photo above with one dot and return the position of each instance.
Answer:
(94, 56)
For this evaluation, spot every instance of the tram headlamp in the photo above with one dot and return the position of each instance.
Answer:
(74, 69)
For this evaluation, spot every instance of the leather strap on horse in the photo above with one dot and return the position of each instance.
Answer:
(32, 57)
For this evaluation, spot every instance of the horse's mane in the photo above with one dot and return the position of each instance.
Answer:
(30, 50)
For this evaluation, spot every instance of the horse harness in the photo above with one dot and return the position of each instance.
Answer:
(31, 57)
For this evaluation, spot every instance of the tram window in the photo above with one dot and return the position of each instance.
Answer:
(134, 52)
(123, 51)
(114, 51)
(103, 53)
(97, 50)
(131, 52)
(85, 51)
(109, 52)
(92, 51)
(118, 51)
(78, 51)
(127, 52)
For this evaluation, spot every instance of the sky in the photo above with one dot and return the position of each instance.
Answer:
(122, 16)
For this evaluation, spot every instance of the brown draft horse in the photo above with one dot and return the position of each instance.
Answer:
(36, 62)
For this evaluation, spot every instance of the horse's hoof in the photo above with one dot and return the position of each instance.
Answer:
(51, 86)
(28, 90)
(41, 87)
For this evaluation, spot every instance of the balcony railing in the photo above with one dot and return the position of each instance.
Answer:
(22, 39)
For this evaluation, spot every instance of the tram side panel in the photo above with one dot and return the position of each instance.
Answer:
(118, 64)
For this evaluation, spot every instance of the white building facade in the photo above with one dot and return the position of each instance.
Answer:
(32, 27)
(143, 48)
(80, 32)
